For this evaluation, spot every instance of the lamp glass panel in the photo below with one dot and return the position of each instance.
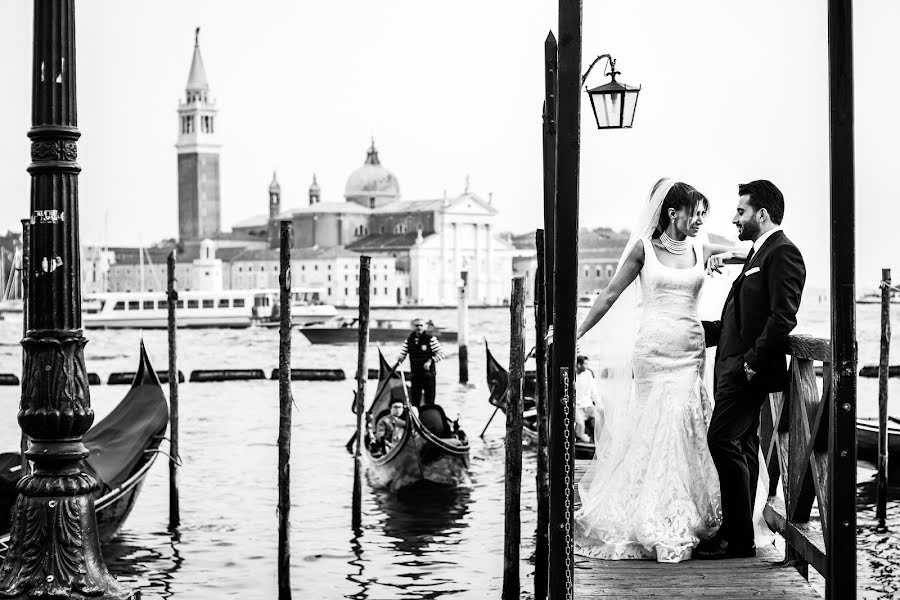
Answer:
(609, 109)
(630, 106)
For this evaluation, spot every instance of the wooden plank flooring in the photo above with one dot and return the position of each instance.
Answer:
(734, 579)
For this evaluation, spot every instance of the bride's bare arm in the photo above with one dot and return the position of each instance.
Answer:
(622, 279)
(717, 255)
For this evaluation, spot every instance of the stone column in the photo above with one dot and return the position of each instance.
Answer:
(54, 546)
(489, 263)
(457, 259)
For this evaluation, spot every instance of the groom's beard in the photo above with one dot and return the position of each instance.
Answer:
(749, 230)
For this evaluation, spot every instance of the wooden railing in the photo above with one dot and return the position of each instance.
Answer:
(794, 441)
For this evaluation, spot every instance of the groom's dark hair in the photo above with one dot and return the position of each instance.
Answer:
(763, 194)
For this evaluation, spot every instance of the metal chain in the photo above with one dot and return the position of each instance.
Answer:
(567, 444)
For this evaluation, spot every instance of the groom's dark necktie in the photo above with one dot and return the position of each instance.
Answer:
(749, 258)
(732, 294)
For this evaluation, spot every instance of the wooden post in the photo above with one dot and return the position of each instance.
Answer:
(362, 374)
(26, 241)
(512, 534)
(542, 483)
(883, 368)
(565, 294)
(840, 536)
(54, 547)
(542, 563)
(284, 421)
(463, 335)
(174, 456)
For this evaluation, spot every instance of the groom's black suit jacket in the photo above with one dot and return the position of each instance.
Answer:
(759, 314)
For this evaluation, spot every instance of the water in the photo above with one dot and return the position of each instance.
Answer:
(444, 545)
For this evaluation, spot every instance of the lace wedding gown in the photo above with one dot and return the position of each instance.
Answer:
(652, 490)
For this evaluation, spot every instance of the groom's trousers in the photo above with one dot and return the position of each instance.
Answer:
(734, 445)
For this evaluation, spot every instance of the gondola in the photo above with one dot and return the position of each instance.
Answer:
(345, 330)
(433, 449)
(867, 441)
(498, 381)
(123, 447)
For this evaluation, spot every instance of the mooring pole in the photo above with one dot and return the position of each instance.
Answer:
(512, 530)
(54, 547)
(362, 374)
(565, 293)
(840, 581)
(174, 457)
(542, 475)
(883, 371)
(463, 335)
(549, 166)
(284, 420)
(23, 265)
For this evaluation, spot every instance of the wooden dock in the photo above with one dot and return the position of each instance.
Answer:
(734, 579)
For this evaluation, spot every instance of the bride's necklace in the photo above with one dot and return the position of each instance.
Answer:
(673, 246)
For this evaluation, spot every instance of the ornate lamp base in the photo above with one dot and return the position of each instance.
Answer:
(55, 550)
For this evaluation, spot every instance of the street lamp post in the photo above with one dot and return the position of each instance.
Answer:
(614, 105)
(54, 546)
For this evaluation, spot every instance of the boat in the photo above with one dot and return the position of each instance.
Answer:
(498, 382)
(867, 441)
(875, 298)
(198, 309)
(586, 300)
(345, 330)
(123, 447)
(432, 451)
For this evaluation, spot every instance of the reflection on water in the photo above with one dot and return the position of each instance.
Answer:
(151, 567)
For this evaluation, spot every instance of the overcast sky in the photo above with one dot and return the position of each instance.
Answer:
(732, 91)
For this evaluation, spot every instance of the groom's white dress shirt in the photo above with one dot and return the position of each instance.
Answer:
(762, 239)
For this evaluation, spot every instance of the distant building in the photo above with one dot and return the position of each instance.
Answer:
(199, 203)
(421, 249)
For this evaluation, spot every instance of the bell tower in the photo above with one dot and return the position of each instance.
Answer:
(198, 156)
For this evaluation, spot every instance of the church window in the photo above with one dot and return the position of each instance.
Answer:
(587, 271)
(345, 291)
(315, 267)
(598, 271)
(381, 229)
(329, 291)
(329, 279)
(371, 202)
(345, 278)
(609, 271)
(374, 291)
(385, 292)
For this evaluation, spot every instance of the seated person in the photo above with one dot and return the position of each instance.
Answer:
(588, 405)
(390, 428)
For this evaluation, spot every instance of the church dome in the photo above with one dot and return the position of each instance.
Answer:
(372, 185)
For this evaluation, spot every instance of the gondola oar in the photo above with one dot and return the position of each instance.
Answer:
(496, 408)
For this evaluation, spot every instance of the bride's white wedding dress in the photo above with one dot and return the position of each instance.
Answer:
(652, 490)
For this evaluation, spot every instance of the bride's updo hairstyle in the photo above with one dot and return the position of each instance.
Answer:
(680, 196)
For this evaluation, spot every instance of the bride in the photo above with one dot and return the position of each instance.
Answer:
(652, 490)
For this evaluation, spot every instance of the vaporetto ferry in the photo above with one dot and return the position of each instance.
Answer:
(200, 308)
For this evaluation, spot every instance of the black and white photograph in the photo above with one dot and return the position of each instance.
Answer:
(416, 300)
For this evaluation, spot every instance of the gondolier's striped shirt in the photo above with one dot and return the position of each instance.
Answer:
(436, 350)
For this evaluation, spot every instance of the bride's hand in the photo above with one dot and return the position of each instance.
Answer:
(717, 261)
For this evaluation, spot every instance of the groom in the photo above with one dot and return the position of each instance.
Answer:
(752, 340)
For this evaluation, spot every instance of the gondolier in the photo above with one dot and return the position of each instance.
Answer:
(424, 351)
